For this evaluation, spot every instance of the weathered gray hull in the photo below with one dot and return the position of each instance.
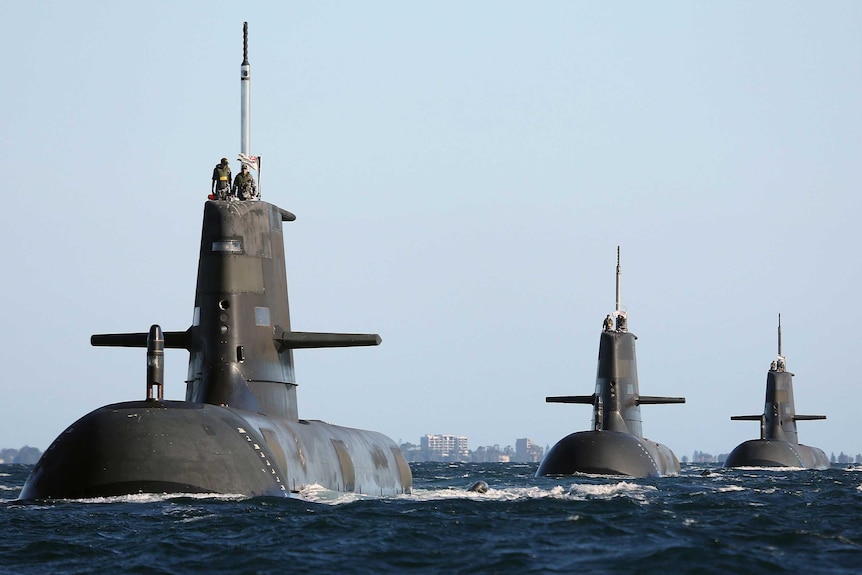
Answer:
(609, 453)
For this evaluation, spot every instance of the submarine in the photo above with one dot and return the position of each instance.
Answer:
(778, 445)
(615, 445)
(238, 430)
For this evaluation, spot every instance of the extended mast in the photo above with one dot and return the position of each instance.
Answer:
(618, 279)
(245, 96)
(779, 335)
(619, 314)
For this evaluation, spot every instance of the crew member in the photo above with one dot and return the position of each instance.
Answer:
(621, 322)
(221, 180)
(609, 323)
(243, 185)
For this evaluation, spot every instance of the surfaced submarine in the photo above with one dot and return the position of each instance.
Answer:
(238, 429)
(615, 445)
(778, 445)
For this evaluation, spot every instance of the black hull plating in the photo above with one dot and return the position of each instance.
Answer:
(774, 453)
(185, 447)
(608, 453)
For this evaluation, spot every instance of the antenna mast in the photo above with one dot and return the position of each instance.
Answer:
(618, 278)
(245, 96)
(779, 334)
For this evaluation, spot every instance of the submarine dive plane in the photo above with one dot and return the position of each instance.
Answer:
(238, 430)
(615, 445)
(778, 445)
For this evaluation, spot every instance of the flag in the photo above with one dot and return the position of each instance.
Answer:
(252, 162)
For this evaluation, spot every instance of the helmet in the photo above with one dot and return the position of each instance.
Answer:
(224, 160)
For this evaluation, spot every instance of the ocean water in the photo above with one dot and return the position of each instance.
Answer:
(706, 520)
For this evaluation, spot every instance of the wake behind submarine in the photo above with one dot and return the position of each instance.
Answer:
(615, 445)
(778, 445)
(238, 429)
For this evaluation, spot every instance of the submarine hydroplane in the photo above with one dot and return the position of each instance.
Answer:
(238, 430)
(615, 445)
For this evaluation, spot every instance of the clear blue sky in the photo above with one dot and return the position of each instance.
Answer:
(462, 174)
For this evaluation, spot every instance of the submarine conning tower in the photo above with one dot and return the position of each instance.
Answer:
(240, 342)
(241, 305)
(617, 400)
(780, 411)
(617, 407)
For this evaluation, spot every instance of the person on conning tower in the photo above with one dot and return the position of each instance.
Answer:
(243, 185)
(221, 180)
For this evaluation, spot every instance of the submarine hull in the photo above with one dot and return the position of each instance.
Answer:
(608, 453)
(187, 447)
(776, 453)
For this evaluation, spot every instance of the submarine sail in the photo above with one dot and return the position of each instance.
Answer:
(615, 445)
(238, 430)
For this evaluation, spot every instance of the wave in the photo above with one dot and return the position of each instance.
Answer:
(572, 492)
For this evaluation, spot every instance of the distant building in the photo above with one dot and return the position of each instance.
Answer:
(492, 454)
(527, 452)
(26, 455)
(703, 457)
(844, 459)
(412, 452)
(444, 448)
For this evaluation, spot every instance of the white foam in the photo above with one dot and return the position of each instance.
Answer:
(772, 469)
(315, 493)
(609, 490)
(730, 488)
(159, 497)
(576, 491)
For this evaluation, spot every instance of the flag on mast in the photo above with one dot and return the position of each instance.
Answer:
(252, 162)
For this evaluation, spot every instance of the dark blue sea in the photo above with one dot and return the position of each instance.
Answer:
(706, 520)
